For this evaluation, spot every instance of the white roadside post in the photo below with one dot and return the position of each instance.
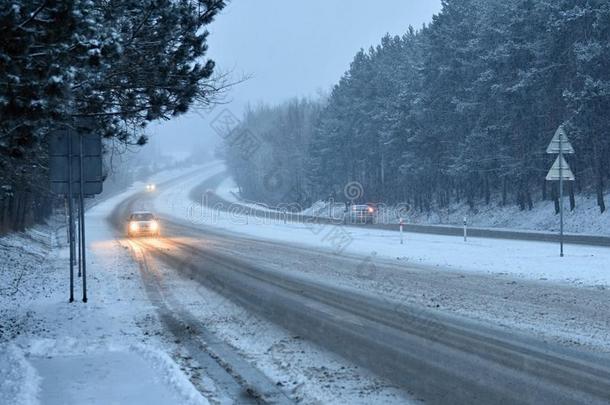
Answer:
(560, 171)
(401, 232)
(465, 230)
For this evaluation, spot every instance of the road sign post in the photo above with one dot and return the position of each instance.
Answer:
(75, 170)
(560, 171)
(80, 259)
(81, 220)
(70, 218)
(561, 197)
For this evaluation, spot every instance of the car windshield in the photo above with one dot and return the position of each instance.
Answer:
(142, 216)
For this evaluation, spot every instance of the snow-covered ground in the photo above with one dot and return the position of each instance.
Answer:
(500, 262)
(110, 349)
(533, 260)
(306, 372)
(229, 191)
(55, 352)
(585, 219)
(115, 350)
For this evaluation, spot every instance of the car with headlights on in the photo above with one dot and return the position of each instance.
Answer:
(151, 187)
(361, 214)
(143, 223)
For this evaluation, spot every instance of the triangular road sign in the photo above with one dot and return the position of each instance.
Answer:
(560, 138)
(566, 172)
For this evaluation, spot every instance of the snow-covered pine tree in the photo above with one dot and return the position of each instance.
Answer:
(123, 62)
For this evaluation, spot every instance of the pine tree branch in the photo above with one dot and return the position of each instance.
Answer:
(34, 14)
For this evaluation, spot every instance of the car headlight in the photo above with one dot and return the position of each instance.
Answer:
(154, 225)
(133, 226)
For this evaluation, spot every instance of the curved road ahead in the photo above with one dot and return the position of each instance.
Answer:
(440, 357)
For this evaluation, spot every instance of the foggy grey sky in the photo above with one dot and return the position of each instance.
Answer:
(290, 48)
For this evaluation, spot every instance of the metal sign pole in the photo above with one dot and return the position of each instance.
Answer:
(70, 216)
(560, 171)
(80, 259)
(82, 218)
(67, 219)
(561, 196)
(62, 151)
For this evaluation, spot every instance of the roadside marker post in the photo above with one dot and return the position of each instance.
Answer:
(401, 231)
(560, 171)
(465, 229)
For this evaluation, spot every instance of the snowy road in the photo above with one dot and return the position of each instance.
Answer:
(179, 301)
(399, 320)
(226, 309)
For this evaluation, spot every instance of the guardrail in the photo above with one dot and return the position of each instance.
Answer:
(214, 200)
(593, 240)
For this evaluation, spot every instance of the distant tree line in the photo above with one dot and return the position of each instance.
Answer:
(274, 166)
(459, 110)
(123, 63)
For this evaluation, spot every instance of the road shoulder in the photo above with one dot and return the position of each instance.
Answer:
(56, 352)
